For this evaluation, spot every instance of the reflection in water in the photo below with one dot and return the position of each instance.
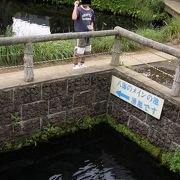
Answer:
(22, 27)
(106, 168)
(56, 18)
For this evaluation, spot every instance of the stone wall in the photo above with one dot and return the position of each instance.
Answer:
(60, 102)
(63, 101)
(165, 132)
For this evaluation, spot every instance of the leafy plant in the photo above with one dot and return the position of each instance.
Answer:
(146, 10)
(15, 118)
(172, 30)
(175, 161)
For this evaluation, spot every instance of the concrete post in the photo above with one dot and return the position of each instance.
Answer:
(116, 50)
(176, 84)
(28, 63)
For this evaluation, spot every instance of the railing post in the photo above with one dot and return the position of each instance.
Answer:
(116, 51)
(28, 63)
(175, 91)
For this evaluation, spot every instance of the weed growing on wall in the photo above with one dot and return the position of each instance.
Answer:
(15, 119)
(175, 161)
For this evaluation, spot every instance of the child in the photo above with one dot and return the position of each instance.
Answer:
(83, 17)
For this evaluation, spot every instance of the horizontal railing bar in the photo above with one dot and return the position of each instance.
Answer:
(54, 37)
(76, 35)
(118, 32)
(148, 42)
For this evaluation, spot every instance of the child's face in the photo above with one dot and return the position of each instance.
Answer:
(85, 5)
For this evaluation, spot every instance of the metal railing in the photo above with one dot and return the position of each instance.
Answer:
(118, 32)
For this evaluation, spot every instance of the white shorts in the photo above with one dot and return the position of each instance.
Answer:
(82, 47)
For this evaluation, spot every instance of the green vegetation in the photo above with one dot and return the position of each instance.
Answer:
(175, 161)
(15, 118)
(13, 54)
(146, 10)
(54, 50)
(50, 131)
(169, 159)
(172, 31)
(63, 50)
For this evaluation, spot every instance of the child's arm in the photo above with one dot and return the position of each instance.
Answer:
(91, 26)
(74, 13)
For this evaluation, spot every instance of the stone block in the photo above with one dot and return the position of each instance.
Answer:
(5, 133)
(79, 84)
(9, 134)
(138, 113)
(56, 120)
(54, 89)
(84, 98)
(17, 134)
(174, 133)
(101, 95)
(103, 81)
(6, 97)
(119, 114)
(27, 94)
(109, 107)
(124, 105)
(171, 111)
(93, 81)
(162, 124)
(174, 146)
(34, 110)
(6, 113)
(99, 108)
(56, 105)
(100, 80)
(60, 103)
(159, 138)
(102, 90)
(30, 127)
(76, 114)
(138, 126)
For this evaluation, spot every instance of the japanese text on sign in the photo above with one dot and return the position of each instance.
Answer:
(139, 98)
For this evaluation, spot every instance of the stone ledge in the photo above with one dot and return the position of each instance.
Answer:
(15, 79)
(145, 83)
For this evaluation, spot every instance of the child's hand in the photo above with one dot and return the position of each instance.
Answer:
(90, 27)
(76, 3)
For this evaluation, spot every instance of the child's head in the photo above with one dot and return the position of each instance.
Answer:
(86, 2)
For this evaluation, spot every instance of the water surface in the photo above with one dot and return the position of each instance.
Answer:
(30, 18)
(161, 72)
(98, 154)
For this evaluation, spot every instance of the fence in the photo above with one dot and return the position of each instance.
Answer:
(118, 32)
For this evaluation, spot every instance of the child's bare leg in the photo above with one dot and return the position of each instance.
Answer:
(82, 59)
(75, 59)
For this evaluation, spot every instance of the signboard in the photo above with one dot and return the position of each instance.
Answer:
(138, 97)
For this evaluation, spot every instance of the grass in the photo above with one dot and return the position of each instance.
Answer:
(53, 50)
